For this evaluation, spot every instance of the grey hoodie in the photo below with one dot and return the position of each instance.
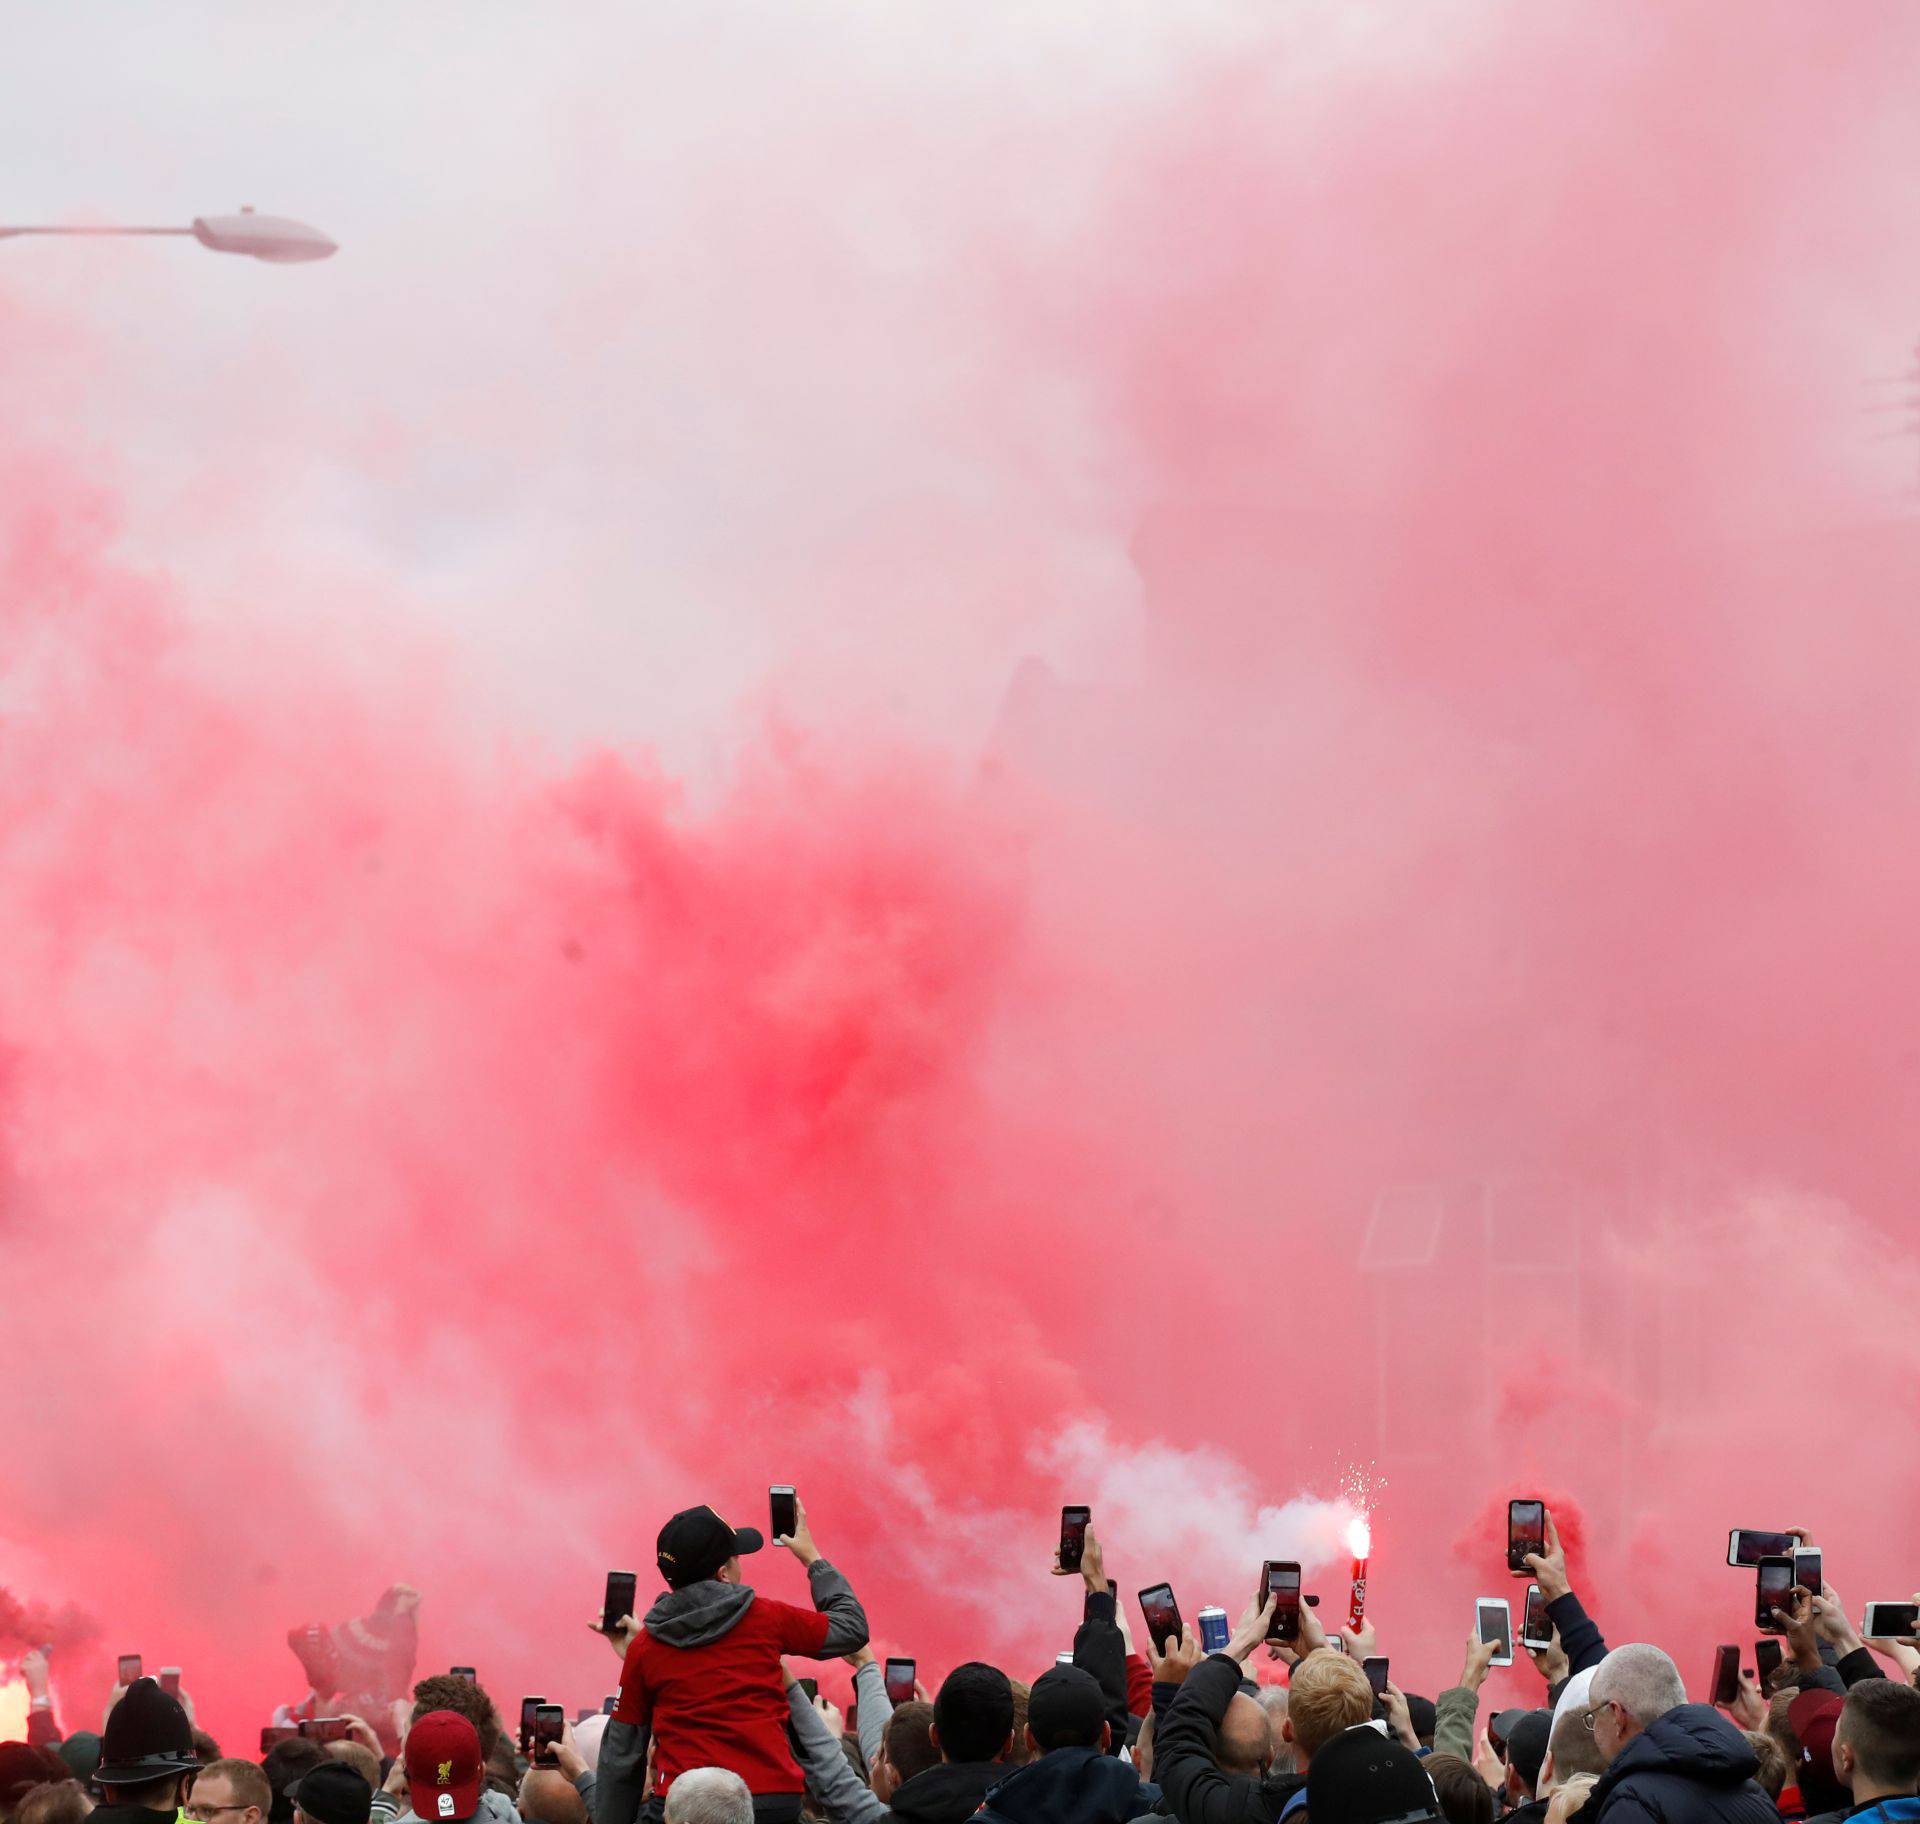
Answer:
(696, 1616)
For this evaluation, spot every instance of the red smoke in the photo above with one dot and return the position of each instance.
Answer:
(1437, 1012)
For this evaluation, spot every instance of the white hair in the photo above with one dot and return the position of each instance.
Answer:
(709, 1795)
(1642, 1680)
(1273, 1700)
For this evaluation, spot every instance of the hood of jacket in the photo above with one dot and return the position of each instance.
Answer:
(947, 1793)
(1073, 1786)
(1694, 1742)
(698, 1614)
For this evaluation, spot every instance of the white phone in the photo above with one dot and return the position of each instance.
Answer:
(1891, 1621)
(1493, 1617)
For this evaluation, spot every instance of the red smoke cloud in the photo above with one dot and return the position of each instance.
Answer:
(1437, 1015)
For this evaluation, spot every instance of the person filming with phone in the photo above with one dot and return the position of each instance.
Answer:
(701, 1680)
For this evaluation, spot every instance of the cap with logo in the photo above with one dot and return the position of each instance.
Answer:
(146, 1738)
(444, 1766)
(1360, 1777)
(1813, 1716)
(696, 1542)
(334, 1793)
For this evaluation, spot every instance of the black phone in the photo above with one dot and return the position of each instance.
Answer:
(1073, 1536)
(1773, 1590)
(1376, 1671)
(1526, 1533)
(170, 1680)
(783, 1509)
(1163, 1615)
(129, 1667)
(1746, 1546)
(1808, 1568)
(617, 1604)
(811, 1686)
(1280, 1579)
(1726, 1677)
(549, 1724)
(1536, 1630)
(1768, 1655)
(326, 1728)
(471, 1672)
(900, 1676)
(528, 1707)
(273, 1734)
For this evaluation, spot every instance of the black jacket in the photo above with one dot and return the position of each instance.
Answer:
(1690, 1766)
(1101, 1649)
(1070, 1786)
(1186, 1755)
(948, 1793)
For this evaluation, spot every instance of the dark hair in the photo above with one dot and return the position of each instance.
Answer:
(283, 1764)
(464, 1698)
(1881, 1724)
(205, 1747)
(909, 1739)
(974, 1712)
(1465, 1798)
(52, 1802)
(1017, 1755)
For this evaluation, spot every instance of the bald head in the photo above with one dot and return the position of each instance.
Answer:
(547, 1796)
(1246, 1737)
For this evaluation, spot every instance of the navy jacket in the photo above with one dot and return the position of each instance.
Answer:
(1070, 1786)
(1690, 1766)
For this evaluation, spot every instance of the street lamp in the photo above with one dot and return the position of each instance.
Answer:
(274, 238)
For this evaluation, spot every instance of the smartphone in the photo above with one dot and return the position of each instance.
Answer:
(611, 1702)
(1726, 1677)
(1807, 1567)
(1891, 1621)
(811, 1686)
(1336, 1641)
(1376, 1671)
(170, 1680)
(1526, 1533)
(783, 1510)
(1280, 1579)
(325, 1728)
(1767, 1656)
(129, 1667)
(1073, 1536)
(1535, 1629)
(472, 1672)
(900, 1677)
(528, 1707)
(1746, 1547)
(1774, 1590)
(1063, 1659)
(273, 1734)
(617, 1604)
(549, 1723)
(1493, 1617)
(1162, 1613)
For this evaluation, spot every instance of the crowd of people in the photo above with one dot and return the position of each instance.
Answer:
(717, 1722)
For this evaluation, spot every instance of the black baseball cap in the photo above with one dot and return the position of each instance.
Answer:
(1527, 1745)
(334, 1793)
(696, 1542)
(1065, 1708)
(1360, 1777)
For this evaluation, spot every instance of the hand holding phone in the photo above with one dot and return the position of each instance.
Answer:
(1493, 1622)
(617, 1604)
(1725, 1687)
(1536, 1630)
(1073, 1540)
(783, 1510)
(129, 1668)
(1897, 1621)
(549, 1724)
(900, 1675)
(529, 1711)
(1526, 1534)
(1773, 1594)
(1163, 1616)
(1376, 1670)
(1747, 1545)
(1280, 1584)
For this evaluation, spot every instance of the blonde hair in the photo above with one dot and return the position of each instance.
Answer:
(1327, 1695)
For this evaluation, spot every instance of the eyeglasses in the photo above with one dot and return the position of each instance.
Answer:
(205, 1814)
(1605, 1703)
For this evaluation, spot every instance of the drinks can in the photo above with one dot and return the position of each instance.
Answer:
(1214, 1632)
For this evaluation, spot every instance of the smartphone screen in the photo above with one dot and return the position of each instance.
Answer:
(1162, 1613)
(1774, 1590)
(1526, 1532)
(1726, 1676)
(1495, 1622)
(129, 1667)
(783, 1509)
(170, 1680)
(811, 1686)
(1747, 1547)
(1807, 1568)
(273, 1734)
(1280, 1579)
(1376, 1671)
(1889, 1621)
(617, 1604)
(549, 1723)
(1767, 1655)
(1073, 1536)
(1535, 1628)
(463, 1672)
(900, 1677)
(528, 1706)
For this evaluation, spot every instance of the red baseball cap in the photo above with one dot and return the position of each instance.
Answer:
(1812, 1717)
(443, 1766)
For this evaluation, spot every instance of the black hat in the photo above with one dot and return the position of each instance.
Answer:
(1527, 1745)
(1065, 1708)
(1360, 1777)
(1501, 1727)
(697, 1542)
(334, 1793)
(1423, 1714)
(147, 1737)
